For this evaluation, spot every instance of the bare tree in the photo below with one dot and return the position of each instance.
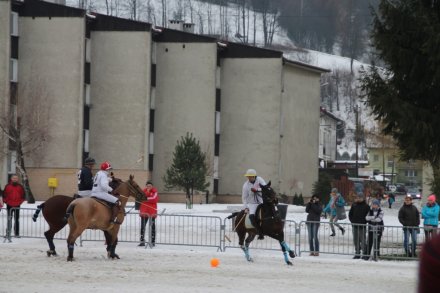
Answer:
(26, 126)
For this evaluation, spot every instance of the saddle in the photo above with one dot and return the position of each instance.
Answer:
(114, 209)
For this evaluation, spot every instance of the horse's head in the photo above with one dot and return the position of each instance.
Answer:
(130, 188)
(115, 182)
(268, 194)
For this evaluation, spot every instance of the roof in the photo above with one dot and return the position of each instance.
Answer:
(305, 66)
(329, 114)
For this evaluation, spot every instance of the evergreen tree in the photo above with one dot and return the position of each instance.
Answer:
(323, 187)
(300, 200)
(188, 170)
(405, 96)
(295, 199)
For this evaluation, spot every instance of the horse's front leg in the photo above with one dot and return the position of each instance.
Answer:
(112, 241)
(286, 249)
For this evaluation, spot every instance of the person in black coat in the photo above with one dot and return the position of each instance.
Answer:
(409, 217)
(313, 210)
(85, 178)
(358, 211)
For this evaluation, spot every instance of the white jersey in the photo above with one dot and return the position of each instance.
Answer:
(250, 199)
(101, 187)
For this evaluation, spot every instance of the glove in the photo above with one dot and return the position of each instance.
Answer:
(253, 189)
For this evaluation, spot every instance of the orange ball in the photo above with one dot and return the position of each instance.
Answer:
(214, 262)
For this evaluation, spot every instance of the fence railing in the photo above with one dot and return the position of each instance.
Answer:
(213, 231)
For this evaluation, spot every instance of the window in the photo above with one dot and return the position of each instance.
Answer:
(376, 158)
(88, 50)
(86, 140)
(13, 70)
(390, 162)
(410, 173)
(12, 160)
(87, 94)
(14, 24)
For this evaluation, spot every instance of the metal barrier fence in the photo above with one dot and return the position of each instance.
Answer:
(212, 231)
(389, 243)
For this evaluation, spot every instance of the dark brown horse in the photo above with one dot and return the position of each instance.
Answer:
(54, 211)
(88, 213)
(271, 224)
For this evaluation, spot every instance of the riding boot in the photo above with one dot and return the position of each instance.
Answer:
(257, 227)
(115, 212)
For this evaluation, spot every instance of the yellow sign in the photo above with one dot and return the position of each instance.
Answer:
(52, 182)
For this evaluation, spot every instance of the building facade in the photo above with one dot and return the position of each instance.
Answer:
(122, 91)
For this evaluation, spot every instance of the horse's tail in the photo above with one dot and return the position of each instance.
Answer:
(233, 215)
(37, 212)
(69, 211)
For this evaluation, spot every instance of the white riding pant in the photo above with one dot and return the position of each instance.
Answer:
(105, 196)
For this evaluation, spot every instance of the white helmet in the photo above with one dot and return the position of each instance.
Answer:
(251, 173)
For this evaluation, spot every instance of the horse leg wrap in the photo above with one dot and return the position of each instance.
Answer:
(70, 248)
(286, 248)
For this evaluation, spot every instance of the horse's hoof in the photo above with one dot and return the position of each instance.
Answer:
(289, 263)
(51, 252)
(292, 254)
(70, 258)
(114, 256)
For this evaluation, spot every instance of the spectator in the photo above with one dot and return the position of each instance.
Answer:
(313, 210)
(409, 217)
(357, 216)
(430, 213)
(13, 196)
(375, 229)
(148, 210)
(336, 201)
(391, 199)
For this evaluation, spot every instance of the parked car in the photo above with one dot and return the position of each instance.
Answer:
(401, 189)
(415, 193)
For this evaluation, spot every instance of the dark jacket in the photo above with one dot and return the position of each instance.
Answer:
(358, 212)
(85, 179)
(314, 211)
(409, 216)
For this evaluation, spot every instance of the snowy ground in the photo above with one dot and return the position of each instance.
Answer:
(26, 268)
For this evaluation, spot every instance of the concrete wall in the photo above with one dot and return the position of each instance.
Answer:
(185, 100)
(51, 60)
(300, 131)
(67, 180)
(5, 38)
(120, 98)
(250, 121)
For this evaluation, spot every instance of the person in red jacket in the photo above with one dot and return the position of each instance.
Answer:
(148, 210)
(13, 196)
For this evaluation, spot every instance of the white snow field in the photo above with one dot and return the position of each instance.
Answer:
(24, 267)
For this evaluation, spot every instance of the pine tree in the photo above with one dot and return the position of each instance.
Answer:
(405, 96)
(300, 200)
(188, 170)
(295, 200)
(323, 187)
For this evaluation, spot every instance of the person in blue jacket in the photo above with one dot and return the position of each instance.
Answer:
(336, 200)
(430, 213)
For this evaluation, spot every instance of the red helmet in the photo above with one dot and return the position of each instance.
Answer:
(106, 166)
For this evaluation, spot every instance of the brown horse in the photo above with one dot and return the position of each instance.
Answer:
(88, 213)
(271, 224)
(54, 211)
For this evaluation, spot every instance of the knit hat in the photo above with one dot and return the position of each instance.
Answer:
(432, 197)
(360, 196)
(335, 190)
(376, 202)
